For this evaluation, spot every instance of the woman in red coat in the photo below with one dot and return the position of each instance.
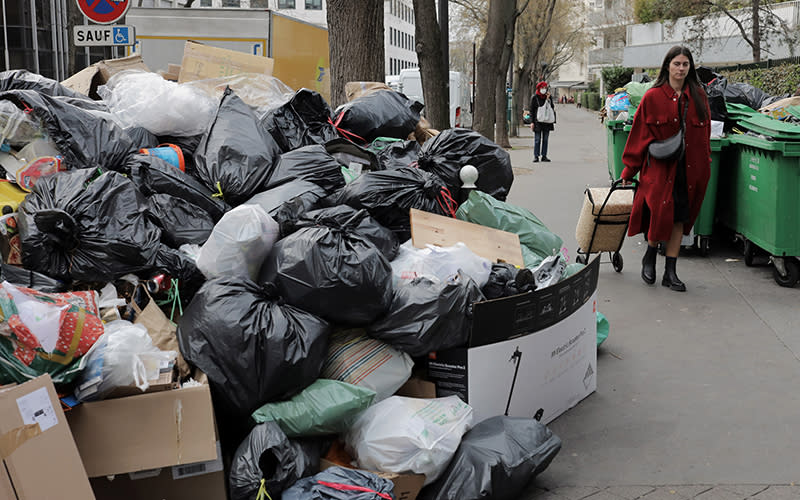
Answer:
(670, 191)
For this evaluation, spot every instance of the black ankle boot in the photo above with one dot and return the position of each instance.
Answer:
(670, 278)
(649, 265)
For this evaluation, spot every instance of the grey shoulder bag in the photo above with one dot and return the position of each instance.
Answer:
(670, 148)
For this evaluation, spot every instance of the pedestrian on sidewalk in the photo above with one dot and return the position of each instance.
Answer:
(671, 189)
(543, 116)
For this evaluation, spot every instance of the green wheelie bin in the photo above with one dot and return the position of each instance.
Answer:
(617, 135)
(704, 225)
(761, 201)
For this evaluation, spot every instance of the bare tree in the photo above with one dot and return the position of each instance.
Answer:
(432, 68)
(355, 43)
(493, 60)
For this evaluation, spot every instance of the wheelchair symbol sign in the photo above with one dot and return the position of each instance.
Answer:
(121, 36)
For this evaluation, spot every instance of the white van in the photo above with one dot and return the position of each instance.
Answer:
(410, 84)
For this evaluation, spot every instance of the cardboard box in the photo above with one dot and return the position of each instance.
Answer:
(201, 62)
(39, 457)
(354, 90)
(490, 243)
(201, 481)
(88, 79)
(530, 355)
(147, 431)
(406, 486)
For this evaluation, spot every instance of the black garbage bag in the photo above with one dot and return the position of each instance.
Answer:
(384, 113)
(716, 101)
(268, 454)
(506, 280)
(180, 221)
(496, 459)
(152, 175)
(85, 139)
(453, 148)
(21, 79)
(236, 156)
(30, 279)
(254, 348)
(353, 221)
(739, 93)
(85, 226)
(141, 137)
(396, 154)
(427, 316)
(388, 195)
(287, 202)
(302, 121)
(331, 271)
(347, 153)
(340, 483)
(310, 163)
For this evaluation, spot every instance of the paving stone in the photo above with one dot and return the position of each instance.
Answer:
(575, 492)
(604, 495)
(663, 493)
(539, 494)
(717, 493)
(746, 490)
(630, 492)
(691, 490)
(779, 493)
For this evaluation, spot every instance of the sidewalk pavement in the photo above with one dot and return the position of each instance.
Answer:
(697, 392)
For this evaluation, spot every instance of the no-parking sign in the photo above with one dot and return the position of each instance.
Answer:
(104, 11)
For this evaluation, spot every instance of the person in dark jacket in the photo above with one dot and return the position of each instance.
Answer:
(670, 192)
(541, 130)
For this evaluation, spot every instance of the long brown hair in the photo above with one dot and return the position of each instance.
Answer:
(695, 89)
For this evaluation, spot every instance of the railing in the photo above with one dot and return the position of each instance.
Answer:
(769, 63)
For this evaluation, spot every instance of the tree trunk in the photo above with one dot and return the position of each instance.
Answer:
(501, 116)
(490, 68)
(756, 32)
(355, 44)
(432, 67)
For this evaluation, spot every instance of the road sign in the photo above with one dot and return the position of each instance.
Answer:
(87, 35)
(104, 11)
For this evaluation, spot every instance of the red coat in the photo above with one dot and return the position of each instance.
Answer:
(657, 118)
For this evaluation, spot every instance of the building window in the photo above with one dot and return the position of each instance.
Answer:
(286, 4)
(313, 4)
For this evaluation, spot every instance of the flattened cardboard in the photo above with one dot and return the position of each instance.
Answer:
(490, 243)
(201, 62)
(406, 486)
(541, 347)
(88, 79)
(416, 387)
(38, 446)
(147, 431)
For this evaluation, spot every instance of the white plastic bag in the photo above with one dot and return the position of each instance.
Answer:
(239, 243)
(439, 263)
(550, 271)
(358, 359)
(139, 98)
(409, 434)
(545, 113)
(124, 356)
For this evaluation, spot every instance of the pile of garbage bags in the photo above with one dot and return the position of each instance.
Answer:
(271, 245)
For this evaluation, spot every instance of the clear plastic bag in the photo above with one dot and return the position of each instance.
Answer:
(409, 434)
(259, 91)
(17, 128)
(138, 98)
(239, 243)
(439, 263)
(124, 356)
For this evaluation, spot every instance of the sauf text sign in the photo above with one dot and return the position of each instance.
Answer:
(87, 35)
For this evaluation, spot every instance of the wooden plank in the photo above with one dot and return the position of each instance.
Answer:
(490, 243)
(201, 62)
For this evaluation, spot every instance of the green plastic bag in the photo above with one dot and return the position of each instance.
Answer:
(602, 328)
(537, 241)
(636, 91)
(324, 407)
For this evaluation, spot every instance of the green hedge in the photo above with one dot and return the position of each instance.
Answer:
(591, 100)
(774, 81)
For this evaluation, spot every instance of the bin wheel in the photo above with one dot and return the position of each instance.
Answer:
(792, 273)
(616, 261)
(703, 245)
(749, 253)
(582, 258)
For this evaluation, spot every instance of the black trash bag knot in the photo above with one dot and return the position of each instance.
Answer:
(59, 226)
